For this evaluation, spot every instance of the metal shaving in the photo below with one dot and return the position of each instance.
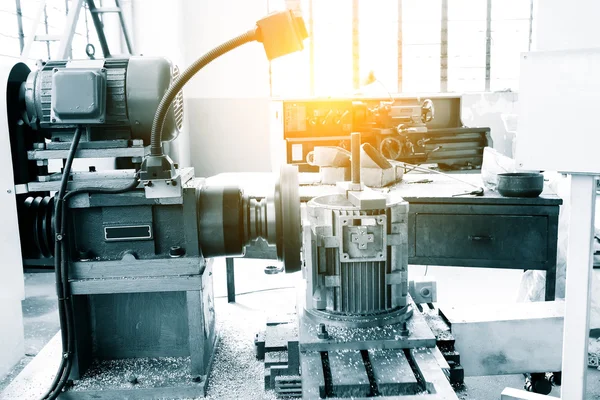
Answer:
(236, 373)
(136, 373)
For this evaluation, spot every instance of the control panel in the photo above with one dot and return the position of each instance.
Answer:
(318, 118)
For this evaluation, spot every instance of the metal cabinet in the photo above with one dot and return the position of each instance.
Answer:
(489, 231)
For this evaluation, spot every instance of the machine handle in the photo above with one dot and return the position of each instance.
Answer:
(480, 238)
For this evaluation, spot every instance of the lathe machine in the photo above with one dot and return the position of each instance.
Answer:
(417, 130)
(131, 245)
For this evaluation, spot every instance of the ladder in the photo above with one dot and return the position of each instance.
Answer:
(65, 40)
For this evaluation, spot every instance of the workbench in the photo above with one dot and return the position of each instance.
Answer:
(488, 231)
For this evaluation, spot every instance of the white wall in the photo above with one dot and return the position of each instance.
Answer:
(227, 103)
(156, 30)
(560, 25)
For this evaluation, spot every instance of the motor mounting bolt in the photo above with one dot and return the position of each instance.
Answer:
(176, 251)
(404, 331)
(84, 255)
(322, 332)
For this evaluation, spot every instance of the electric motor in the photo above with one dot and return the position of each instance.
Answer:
(356, 261)
(116, 97)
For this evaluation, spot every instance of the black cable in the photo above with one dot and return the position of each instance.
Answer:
(67, 323)
(61, 266)
(258, 291)
(181, 80)
(64, 310)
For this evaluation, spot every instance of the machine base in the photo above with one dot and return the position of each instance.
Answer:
(144, 378)
(140, 378)
(361, 362)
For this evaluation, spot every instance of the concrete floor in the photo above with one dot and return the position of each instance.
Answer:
(239, 322)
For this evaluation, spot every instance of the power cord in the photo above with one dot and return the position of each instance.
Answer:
(62, 286)
(259, 291)
(61, 266)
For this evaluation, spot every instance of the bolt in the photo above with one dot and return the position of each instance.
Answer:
(9, 191)
(176, 251)
(173, 182)
(322, 332)
(54, 69)
(148, 184)
(53, 119)
(272, 269)
(102, 69)
(404, 331)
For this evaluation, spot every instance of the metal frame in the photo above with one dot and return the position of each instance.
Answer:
(311, 46)
(355, 46)
(66, 38)
(530, 24)
(20, 24)
(578, 290)
(400, 50)
(488, 46)
(444, 48)
(64, 48)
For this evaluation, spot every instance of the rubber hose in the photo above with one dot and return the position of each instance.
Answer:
(181, 80)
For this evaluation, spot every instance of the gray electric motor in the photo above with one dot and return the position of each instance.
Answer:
(356, 261)
(117, 97)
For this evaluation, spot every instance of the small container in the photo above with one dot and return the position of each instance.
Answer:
(520, 184)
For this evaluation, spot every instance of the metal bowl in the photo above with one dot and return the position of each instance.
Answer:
(520, 184)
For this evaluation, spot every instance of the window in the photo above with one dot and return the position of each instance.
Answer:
(52, 22)
(410, 45)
